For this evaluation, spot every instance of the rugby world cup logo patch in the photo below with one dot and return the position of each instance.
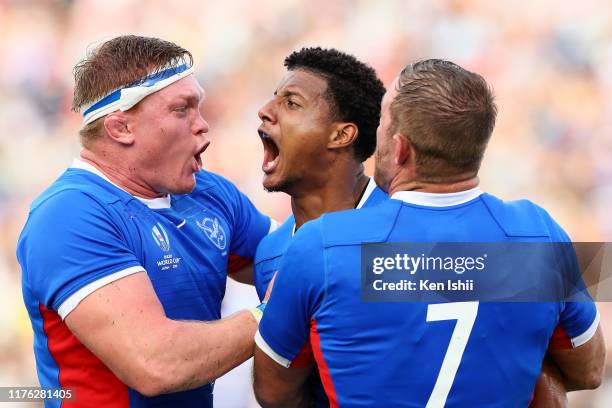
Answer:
(160, 237)
(214, 231)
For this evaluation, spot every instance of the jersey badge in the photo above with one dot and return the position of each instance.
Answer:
(161, 237)
(214, 231)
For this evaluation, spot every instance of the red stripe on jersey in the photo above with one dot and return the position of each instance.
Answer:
(326, 379)
(559, 339)
(93, 384)
(304, 358)
(237, 262)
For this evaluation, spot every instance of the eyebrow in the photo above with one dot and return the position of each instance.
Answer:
(287, 92)
(200, 96)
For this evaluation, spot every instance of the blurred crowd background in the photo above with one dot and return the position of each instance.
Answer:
(549, 62)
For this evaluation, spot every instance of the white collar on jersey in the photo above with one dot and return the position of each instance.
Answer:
(152, 203)
(437, 199)
(366, 194)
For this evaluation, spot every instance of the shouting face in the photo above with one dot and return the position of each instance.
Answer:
(295, 130)
(169, 137)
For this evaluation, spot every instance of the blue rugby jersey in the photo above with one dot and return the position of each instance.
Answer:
(391, 353)
(84, 232)
(273, 246)
(267, 260)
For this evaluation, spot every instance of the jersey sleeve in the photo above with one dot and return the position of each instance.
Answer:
(70, 247)
(577, 325)
(261, 278)
(269, 253)
(298, 292)
(578, 320)
(579, 317)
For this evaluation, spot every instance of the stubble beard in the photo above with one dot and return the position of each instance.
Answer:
(284, 186)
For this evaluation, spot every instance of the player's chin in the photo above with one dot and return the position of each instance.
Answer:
(273, 183)
(185, 185)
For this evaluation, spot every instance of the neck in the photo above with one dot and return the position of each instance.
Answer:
(118, 172)
(461, 182)
(340, 192)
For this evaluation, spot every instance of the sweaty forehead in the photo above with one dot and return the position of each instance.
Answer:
(187, 87)
(305, 83)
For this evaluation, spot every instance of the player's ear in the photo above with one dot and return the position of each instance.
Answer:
(403, 149)
(117, 127)
(343, 135)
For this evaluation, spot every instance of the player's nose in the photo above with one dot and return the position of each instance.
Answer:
(200, 125)
(267, 112)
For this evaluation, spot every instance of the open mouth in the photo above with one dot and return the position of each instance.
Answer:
(271, 153)
(198, 158)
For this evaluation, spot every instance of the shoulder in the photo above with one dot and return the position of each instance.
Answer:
(67, 225)
(77, 195)
(304, 255)
(275, 244)
(522, 218)
(206, 180)
(71, 218)
(352, 227)
(78, 204)
(74, 187)
(216, 190)
(376, 197)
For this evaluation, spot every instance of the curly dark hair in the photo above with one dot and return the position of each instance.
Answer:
(354, 91)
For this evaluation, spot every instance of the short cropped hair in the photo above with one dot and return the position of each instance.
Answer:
(117, 63)
(354, 91)
(448, 113)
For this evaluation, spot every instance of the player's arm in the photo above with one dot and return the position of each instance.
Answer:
(582, 366)
(550, 391)
(278, 386)
(89, 274)
(577, 346)
(124, 324)
(243, 275)
(283, 358)
(283, 386)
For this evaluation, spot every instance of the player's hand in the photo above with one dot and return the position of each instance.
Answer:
(269, 290)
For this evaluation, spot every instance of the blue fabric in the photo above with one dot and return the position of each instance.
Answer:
(267, 260)
(147, 82)
(83, 228)
(272, 247)
(108, 99)
(388, 354)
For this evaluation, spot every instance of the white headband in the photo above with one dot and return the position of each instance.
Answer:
(125, 98)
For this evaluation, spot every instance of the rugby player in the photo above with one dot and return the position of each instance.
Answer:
(125, 256)
(436, 121)
(317, 131)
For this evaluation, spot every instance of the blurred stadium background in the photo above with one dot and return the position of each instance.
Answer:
(549, 62)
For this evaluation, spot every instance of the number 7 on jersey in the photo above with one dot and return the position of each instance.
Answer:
(465, 314)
